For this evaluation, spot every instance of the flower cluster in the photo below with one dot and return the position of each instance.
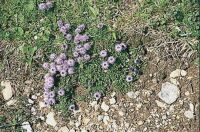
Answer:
(81, 52)
(120, 47)
(64, 28)
(110, 60)
(45, 6)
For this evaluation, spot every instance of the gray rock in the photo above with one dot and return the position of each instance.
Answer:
(169, 93)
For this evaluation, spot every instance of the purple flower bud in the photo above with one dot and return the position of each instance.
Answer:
(72, 107)
(87, 46)
(111, 60)
(82, 51)
(105, 65)
(45, 65)
(71, 62)
(63, 73)
(52, 101)
(97, 95)
(49, 4)
(62, 56)
(42, 6)
(129, 78)
(61, 92)
(68, 37)
(63, 29)
(64, 47)
(52, 57)
(86, 57)
(71, 71)
(75, 54)
(60, 23)
(103, 53)
(65, 66)
(118, 48)
(48, 85)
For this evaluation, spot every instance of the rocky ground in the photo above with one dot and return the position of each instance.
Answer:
(165, 98)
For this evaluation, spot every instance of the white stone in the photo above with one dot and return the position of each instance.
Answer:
(140, 123)
(106, 119)
(26, 126)
(104, 107)
(178, 73)
(63, 129)
(30, 101)
(7, 91)
(174, 81)
(169, 93)
(113, 94)
(78, 123)
(112, 101)
(100, 117)
(187, 93)
(93, 103)
(121, 113)
(132, 95)
(86, 121)
(160, 104)
(41, 105)
(34, 97)
(51, 120)
(11, 102)
(72, 130)
(84, 130)
(189, 114)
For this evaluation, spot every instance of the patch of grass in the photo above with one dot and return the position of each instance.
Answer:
(178, 18)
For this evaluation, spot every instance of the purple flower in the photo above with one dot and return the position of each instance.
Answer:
(75, 54)
(82, 51)
(118, 48)
(49, 4)
(123, 46)
(61, 92)
(59, 61)
(67, 26)
(137, 61)
(70, 62)
(64, 47)
(100, 25)
(78, 47)
(63, 73)
(63, 29)
(97, 95)
(81, 27)
(62, 56)
(52, 94)
(46, 95)
(105, 65)
(46, 89)
(48, 85)
(129, 78)
(87, 46)
(71, 71)
(52, 57)
(83, 38)
(53, 70)
(86, 57)
(111, 60)
(77, 30)
(52, 101)
(45, 65)
(60, 23)
(68, 37)
(59, 67)
(42, 6)
(49, 79)
(72, 107)
(103, 53)
(46, 101)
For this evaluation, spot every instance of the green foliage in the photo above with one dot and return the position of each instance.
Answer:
(178, 18)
